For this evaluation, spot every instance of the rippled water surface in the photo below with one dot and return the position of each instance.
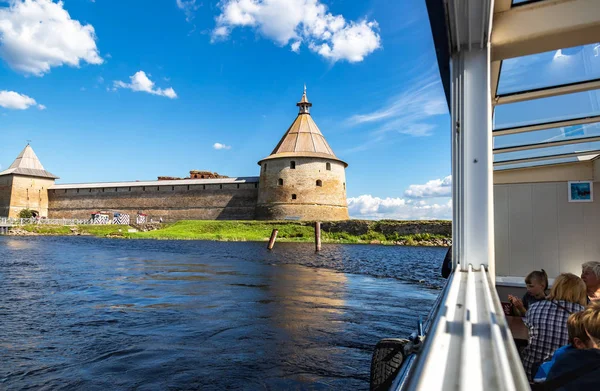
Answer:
(100, 314)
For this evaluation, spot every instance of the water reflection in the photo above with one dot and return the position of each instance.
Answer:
(88, 313)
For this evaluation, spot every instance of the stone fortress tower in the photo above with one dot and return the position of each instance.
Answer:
(302, 178)
(24, 185)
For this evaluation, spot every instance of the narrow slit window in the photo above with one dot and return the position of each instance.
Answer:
(238, 185)
(293, 165)
(172, 188)
(328, 166)
(293, 196)
(280, 182)
(319, 183)
(188, 187)
(221, 187)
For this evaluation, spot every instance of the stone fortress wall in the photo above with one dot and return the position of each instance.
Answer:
(306, 188)
(192, 200)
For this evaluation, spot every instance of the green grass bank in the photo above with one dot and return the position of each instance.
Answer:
(412, 233)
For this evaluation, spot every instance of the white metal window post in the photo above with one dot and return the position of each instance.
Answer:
(472, 159)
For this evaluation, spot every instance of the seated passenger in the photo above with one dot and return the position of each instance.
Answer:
(590, 274)
(547, 320)
(537, 284)
(579, 369)
(578, 339)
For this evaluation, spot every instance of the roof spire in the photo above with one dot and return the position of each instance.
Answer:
(304, 104)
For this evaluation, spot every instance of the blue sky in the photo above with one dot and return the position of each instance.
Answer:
(126, 90)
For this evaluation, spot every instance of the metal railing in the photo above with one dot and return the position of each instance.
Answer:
(34, 220)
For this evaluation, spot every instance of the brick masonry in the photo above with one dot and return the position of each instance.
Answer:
(228, 201)
(324, 200)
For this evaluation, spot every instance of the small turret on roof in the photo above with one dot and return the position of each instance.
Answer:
(28, 164)
(303, 138)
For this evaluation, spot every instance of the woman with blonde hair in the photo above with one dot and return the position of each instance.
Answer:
(547, 320)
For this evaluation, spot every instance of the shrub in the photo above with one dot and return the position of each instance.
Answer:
(26, 213)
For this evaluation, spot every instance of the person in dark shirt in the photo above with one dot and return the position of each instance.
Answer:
(537, 285)
(579, 369)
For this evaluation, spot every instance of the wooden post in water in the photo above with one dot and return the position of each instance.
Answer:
(272, 240)
(317, 236)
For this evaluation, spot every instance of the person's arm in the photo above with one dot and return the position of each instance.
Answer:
(518, 306)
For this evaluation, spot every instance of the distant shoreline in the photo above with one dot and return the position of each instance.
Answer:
(385, 232)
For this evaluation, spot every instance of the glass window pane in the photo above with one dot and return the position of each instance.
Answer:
(563, 66)
(534, 164)
(555, 108)
(583, 147)
(540, 136)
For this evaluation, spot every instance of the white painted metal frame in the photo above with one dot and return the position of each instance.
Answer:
(547, 144)
(471, 347)
(545, 158)
(547, 92)
(546, 125)
(473, 158)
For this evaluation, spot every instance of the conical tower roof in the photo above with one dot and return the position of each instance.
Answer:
(303, 138)
(28, 164)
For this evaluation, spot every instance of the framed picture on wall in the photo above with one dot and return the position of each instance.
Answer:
(581, 191)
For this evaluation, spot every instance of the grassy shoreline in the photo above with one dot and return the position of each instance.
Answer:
(251, 231)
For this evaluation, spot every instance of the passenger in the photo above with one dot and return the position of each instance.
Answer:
(537, 285)
(578, 339)
(547, 320)
(590, 274)
(579, 369)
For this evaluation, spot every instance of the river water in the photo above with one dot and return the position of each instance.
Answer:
(104, 314)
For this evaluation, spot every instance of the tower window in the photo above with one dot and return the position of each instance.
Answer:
(238, 185)
(172, 188)
(143, 188)
(319, 183)
(115, 189)
(293, 196)
(256, 185)
(280, 182)
(344, 185)
(328, 166)
(293, 165)
(220, 186)
(265, 166)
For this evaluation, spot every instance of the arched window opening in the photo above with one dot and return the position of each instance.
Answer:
(280, 182)
(319, 183)
(328, 166)
(293, 196)
(293, 165)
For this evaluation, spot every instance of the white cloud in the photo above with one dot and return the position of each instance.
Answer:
(218, 146)
(434, 188)
(141, 82)
(408, 112)
(188, 7)
(36, 35)
(375, 208)
(300, 22)
(15, 101)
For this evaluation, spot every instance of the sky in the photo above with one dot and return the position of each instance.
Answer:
(110, 90)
